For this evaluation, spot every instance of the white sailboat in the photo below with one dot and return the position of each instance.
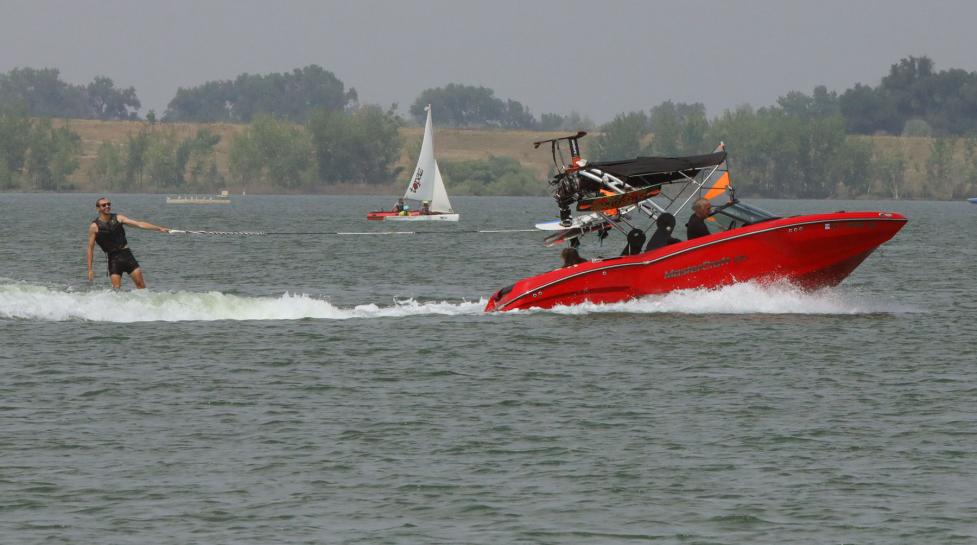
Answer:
(426, 197)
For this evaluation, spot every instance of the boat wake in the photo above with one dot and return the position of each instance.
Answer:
(747, 298)
(34, 302)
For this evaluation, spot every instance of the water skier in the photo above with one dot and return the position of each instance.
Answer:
(108, 232)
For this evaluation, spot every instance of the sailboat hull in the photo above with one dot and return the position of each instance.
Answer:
(811, 251)
(414, 216)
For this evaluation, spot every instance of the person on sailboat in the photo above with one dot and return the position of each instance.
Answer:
(696, 227)
(426, 208)
(108, 232)
(399, 207)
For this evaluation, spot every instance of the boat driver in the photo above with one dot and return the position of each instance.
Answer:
(696, 227)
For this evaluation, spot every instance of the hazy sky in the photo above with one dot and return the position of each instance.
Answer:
(597, 57)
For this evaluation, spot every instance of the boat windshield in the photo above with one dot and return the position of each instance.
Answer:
(739, 214)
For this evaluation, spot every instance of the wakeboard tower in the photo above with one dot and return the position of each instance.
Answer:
(745, 243)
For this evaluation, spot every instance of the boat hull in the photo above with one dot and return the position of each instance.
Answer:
(197, 200)
(413, 216)
(810, 251)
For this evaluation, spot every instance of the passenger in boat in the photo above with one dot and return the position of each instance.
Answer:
(426, 208)
(636, 239)
(399, 207)
(404, 210)
(696, 227)
(108, 232)
(571, 257)
(663, 234)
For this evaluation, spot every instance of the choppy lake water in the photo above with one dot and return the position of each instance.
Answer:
(315, 388)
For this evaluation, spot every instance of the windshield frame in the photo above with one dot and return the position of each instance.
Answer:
(740, 214)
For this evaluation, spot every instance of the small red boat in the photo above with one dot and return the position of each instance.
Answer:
(745, 243)
(413, 215)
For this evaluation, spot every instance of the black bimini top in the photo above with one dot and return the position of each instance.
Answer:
(645, 171)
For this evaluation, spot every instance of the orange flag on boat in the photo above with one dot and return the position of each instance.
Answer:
(719, 181)
(717, 188)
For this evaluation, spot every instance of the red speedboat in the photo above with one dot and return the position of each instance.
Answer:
(745, 243)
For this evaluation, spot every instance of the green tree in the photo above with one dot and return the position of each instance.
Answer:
(821, 103)
(867, 110)
(136, 147)
(15, 136)
(917, 127)
(208, 103)
(678, 129)
(572, 122)
(43, 94)
(849, 166)
(197, 157)
(913, 90)
(108, 170)
(361, 147)
(947, 177)
(621, 138)
(889, 170)
(162, 169)
(517, 116)
(272, 152)
(492, 176)
(291, 96)
(107, 102)
(457, 105)
(8, 178)
(940, 161)
(777, 155)
(33, 154)
(52, 157)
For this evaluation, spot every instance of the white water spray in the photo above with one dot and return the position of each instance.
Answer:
(33, 302)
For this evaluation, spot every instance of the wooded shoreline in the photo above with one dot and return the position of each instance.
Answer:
(480, 144)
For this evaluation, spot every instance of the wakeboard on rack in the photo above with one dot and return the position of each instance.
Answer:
(609, 202)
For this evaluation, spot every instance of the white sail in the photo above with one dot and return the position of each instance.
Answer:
(426, 183)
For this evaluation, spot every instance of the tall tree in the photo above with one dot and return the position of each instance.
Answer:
(621, 138)
(42, 93)
(457, 105)
(361, 147)
(678, 129)
(52, 157)
(272, 152)
(107, 102)
(291, 96)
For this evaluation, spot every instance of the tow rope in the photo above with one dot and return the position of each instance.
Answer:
(343, 233)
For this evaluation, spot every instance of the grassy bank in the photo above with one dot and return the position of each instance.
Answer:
(450, 145)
